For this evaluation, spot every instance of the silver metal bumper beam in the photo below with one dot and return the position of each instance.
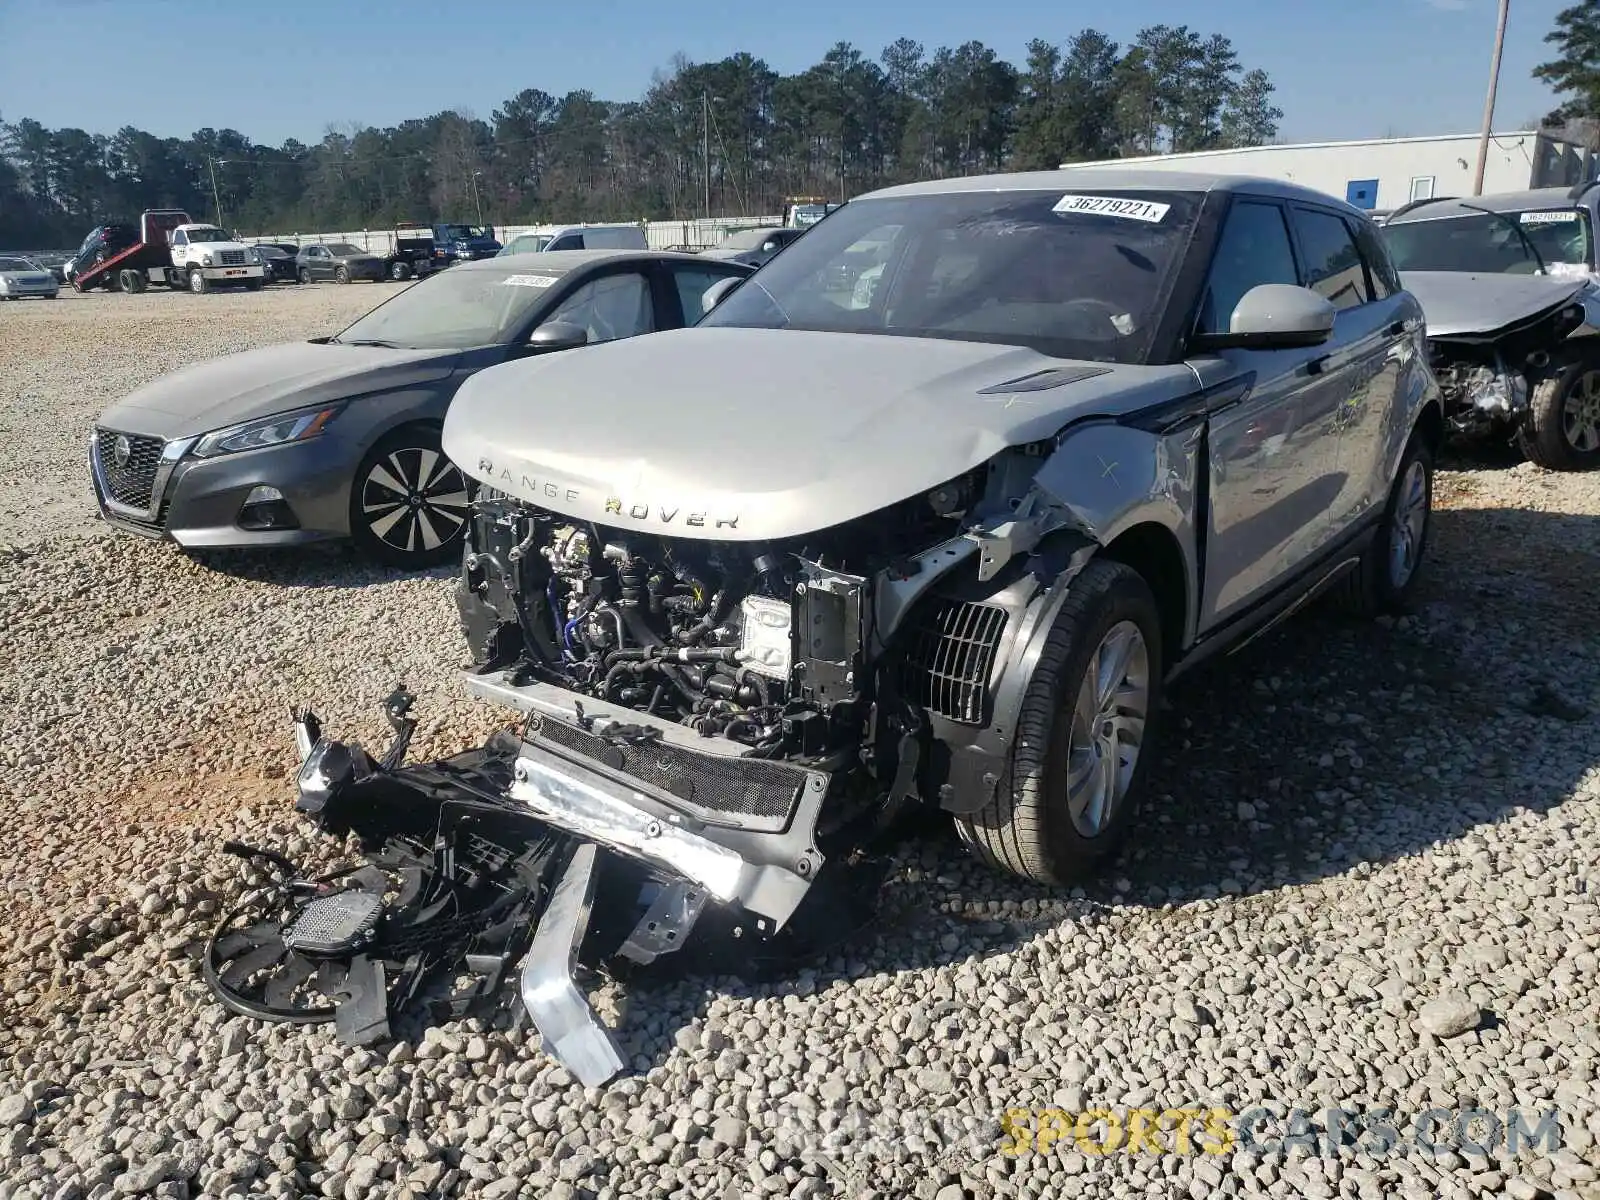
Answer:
(572, 1033)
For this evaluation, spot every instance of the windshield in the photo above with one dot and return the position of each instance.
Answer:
(456, 309)
(18, 264)
(528, 243)
(1513, 243)
(207, 233)
(466, 233)
(1073, 276)
(746, 239)
(343, 249)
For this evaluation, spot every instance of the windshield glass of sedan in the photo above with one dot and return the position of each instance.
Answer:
(1077, 275)
(1513, 243)
(456, 309)
(207, 233)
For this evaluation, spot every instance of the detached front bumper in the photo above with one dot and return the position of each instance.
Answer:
(576, 836)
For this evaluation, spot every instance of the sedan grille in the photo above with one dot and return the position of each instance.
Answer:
(233, 258)
(949, 657)
(132, 481)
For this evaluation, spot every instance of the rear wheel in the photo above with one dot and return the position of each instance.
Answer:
(198, 283)
(305, 275)
(408, 502)
(1388, 574)
(400, 271)
(1562, 428)
(1084, 739)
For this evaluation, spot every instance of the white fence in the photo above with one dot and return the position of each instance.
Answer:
(660, 235)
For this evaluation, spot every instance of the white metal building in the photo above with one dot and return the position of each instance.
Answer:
(1384, 173)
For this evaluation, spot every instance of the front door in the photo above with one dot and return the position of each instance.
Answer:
(1274, 454)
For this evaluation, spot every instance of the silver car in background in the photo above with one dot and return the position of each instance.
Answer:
(22, 278)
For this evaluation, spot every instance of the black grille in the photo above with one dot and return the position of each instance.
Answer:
(949, 658)
(757, 791)
(131, 483)
(233, 258)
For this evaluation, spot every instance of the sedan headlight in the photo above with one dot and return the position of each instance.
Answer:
(267, 431)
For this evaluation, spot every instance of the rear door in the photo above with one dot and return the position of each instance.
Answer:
(1356, 379)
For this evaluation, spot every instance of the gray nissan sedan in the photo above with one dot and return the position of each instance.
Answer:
(339, 436)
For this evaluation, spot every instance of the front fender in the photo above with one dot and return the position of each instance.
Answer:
(1113, 475)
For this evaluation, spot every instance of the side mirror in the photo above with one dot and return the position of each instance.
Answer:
(557, 335)
(769, 245)
(718, 292)
(1275, 316)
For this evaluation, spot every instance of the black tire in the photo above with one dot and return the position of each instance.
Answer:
(395, 526)
(1028, 828)
(341, 274)
(125, 281)
(1380, 585)
(400, 271)
(198, 283)
(254, 285)
(305, 274)
(1562, 429)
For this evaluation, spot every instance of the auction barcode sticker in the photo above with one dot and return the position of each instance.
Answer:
(533, 281)
(1110, 206)
(1545, 218)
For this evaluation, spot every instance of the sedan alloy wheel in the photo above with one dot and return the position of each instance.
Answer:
(409, 502)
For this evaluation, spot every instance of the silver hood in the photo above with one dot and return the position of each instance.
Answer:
(750, 434)
(257, 383)
(1460, 302)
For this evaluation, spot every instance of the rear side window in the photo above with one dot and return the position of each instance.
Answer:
(1254, 249)
(1333, 264)
(1380, 267)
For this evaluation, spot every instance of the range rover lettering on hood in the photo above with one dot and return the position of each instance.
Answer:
(746, 435)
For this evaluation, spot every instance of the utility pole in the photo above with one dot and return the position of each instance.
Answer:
(1488, 104)
(211, 165)
(477, 201)
(705, 145)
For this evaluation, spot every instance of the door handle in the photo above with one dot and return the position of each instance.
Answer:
(1396, 329)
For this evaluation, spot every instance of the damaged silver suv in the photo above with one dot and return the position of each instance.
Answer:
(927, 511)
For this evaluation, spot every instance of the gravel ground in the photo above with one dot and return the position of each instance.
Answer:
(1368, 879)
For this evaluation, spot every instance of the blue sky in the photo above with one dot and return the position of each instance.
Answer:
(1350, 69)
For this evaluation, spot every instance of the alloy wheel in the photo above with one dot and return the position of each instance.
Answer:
(1580, 414)
(414, 500)
(1107, 730)
(1407, 527)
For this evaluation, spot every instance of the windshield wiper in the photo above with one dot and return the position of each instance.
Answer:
(369, 342)
(1516, 225)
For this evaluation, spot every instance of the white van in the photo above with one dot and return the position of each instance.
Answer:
(577, 237)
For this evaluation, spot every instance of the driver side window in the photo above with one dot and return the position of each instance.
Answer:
(1254, 249)
(180, 238)
(611, 307)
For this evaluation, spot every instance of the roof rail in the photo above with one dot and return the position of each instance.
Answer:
(1407, 207)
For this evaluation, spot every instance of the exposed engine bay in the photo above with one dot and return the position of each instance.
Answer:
(1487, 378)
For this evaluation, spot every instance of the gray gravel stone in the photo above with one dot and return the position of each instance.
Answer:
(1449, 1015)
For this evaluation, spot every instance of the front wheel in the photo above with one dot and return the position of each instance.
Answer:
(198, 283)
(1085, 737)
(341, 275)
(253, 285)
(400, 271)
(1562, 429)
(408, 502)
